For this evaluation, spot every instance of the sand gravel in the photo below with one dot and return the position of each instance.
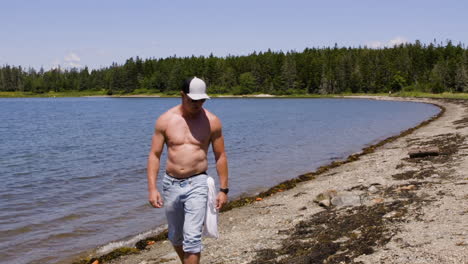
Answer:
(418, 206)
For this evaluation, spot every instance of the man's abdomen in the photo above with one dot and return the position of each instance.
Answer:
(186, 160)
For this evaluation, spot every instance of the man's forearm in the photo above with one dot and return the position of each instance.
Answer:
(222, 169)
(152, 172)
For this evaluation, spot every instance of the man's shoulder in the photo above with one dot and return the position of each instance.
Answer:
(167, 116)
(211, 116)
(214, 120)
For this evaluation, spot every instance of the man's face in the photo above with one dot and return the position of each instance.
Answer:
(192, 106)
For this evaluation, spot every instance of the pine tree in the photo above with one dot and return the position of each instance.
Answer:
(461, 79)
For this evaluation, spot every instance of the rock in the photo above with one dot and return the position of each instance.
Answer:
(378, 200)
(346, 200)
(171, 255)
(325, 203)
(373, 189)
(423, 152)
(361, 180)
(406, 188)
(341, 239)
(327, 195)
(390, 215)
(258, 247)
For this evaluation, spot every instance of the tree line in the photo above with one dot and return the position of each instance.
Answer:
(415, 66)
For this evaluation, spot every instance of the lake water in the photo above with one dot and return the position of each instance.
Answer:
(73, 170)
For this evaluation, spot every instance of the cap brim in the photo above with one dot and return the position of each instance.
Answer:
(198, 96)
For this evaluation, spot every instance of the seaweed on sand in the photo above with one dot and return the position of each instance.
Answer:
(336, 236)
(341, 235)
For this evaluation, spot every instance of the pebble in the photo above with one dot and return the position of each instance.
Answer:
(325, 203)
(346, 200)
(390, 215)
(406, 188)
(378, 200)
(373, 189)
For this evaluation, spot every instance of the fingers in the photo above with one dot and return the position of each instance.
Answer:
(156, 204)
(221, 200)
(160, 202)
(156, 201)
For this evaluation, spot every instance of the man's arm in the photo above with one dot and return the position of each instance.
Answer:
(157, 144)
(217, 141)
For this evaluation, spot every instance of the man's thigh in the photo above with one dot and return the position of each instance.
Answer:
(195, 211)
(174, 208)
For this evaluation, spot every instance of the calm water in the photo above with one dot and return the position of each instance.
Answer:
(72, 170)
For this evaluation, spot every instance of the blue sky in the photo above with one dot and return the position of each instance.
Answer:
(96, 33)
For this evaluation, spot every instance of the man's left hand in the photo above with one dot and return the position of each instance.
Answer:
(221, 200)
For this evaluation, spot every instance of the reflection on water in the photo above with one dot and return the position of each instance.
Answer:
(73, 169)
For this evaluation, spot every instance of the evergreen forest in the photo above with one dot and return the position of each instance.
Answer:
(433, 68)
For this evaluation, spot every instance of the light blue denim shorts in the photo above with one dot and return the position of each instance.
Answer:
(185, 204)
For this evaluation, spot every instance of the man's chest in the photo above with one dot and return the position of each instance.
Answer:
(181, 131)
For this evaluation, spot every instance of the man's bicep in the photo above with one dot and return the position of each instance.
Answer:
(157, 141)
(218, 143)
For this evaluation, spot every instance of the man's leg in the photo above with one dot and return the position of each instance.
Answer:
(180, 252)
(187, 258)
(192, 258)
(195, 210)
(175, 215)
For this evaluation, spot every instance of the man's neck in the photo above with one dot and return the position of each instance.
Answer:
(189, 115)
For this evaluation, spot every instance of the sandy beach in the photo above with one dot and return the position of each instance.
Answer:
(381, 207)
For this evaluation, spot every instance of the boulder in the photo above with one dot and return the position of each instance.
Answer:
(346, 200)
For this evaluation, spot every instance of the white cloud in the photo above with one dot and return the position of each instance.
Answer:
(71, 57)
(379, 44)
(375, 44)
(72, 60)
(397, 41)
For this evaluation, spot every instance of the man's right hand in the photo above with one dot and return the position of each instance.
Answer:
(155, 199)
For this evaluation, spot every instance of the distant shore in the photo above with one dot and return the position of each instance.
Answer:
(161, 95)
(377, 206)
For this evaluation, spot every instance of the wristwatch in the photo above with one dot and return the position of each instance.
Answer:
(224, 190)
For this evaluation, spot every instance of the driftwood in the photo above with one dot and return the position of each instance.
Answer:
(423, 152)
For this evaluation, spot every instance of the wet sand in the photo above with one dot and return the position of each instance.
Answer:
(384, 208)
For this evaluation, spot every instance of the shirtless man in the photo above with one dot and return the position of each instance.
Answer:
(187, 130)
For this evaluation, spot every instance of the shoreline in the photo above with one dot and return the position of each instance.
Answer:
(271, 226)
(97, 94)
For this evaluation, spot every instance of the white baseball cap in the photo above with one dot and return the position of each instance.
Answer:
(195, 88)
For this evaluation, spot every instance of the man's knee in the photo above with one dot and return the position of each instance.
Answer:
(192, 246)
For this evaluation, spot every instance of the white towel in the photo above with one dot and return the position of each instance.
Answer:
(211, 218)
